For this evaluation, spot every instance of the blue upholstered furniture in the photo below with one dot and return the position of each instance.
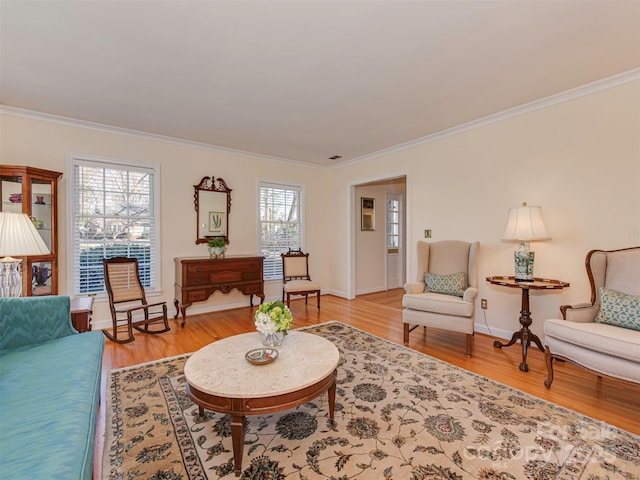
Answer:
(49, 390)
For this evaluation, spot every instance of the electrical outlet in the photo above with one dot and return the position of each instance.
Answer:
(427, 233)
(483, 303)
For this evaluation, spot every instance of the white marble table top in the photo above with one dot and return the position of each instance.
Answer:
(221, 369)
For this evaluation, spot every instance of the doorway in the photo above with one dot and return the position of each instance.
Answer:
(377, 256)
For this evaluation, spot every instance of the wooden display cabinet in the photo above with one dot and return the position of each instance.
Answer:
(34, 191)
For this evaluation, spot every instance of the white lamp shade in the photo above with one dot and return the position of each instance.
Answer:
(525, 224)
(19, 237)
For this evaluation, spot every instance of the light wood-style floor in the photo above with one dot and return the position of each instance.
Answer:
(380, 314)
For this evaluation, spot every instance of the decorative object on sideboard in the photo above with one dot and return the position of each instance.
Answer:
(18, 236)
(525, 225)
(217, 247)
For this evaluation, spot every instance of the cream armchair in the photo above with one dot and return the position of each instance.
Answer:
(449, 302)
(582, 338)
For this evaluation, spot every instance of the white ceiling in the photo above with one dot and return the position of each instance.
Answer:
(304, 80)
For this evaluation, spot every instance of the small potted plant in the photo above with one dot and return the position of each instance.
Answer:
(217, 247)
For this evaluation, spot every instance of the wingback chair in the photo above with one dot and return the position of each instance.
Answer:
(602, 335)
(444, 295)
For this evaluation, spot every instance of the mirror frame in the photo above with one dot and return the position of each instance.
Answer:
(211, 184)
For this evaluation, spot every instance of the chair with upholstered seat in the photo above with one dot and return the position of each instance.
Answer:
(296, 279)
(603, 334)
(444, 295)
(127, 297)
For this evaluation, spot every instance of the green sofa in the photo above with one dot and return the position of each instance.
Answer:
(49, 390)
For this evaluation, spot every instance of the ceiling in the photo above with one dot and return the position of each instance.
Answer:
(304, 80)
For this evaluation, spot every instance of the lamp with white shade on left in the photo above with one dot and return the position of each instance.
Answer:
(19, 237)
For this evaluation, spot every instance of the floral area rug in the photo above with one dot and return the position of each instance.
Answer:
(399, 415)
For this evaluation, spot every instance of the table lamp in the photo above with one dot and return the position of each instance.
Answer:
(524, 225)
(18, 236)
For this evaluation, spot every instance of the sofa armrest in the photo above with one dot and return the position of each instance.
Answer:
(579, 312)
(470, 294)
(33, 320)
(413, 287)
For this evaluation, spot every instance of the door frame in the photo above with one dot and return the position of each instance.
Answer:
(353, 223)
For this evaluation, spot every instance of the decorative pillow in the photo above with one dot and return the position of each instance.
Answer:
(619, 309)
(447, 284)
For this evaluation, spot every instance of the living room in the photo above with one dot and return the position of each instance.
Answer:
(572, 147)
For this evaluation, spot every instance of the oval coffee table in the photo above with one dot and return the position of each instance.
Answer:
(220, 379)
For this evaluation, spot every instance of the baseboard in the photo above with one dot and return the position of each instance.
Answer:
(495, 332)
(371, 290)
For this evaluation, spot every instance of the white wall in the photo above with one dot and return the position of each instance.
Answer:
(579, 160)
(45, 144)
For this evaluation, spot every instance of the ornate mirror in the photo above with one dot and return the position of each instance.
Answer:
(212, 198)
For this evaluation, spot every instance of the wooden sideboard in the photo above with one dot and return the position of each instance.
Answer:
(198, 277)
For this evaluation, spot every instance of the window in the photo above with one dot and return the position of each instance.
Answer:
(114, 213)
(393, 225)
(281, 224)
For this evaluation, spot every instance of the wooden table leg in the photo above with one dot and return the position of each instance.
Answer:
(332, 396)
(525, 335)
(238, 424)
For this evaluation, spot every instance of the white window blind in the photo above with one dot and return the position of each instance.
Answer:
(114, 215)
(281, 224)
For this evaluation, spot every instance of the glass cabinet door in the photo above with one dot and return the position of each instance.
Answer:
(41, 215)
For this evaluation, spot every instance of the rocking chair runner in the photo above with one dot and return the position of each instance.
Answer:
(295, 272)
(123, 285)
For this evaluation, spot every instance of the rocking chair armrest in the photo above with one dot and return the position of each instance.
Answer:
(140, 307)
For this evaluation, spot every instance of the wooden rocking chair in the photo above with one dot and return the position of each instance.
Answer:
(123, 285)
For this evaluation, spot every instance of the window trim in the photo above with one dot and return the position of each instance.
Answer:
(264, 182)
(74, 159)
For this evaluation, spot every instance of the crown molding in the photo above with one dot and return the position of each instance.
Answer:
(100, 127)
(555, 99)
(568, 95)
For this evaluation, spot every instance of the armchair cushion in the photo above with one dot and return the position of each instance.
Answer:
(438, 303)
(594, 337)
(453, 284)
(619, 309)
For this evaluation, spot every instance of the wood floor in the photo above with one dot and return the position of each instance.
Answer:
(612, 401)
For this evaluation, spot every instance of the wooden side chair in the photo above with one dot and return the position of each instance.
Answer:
(295, 271)
(122, 280)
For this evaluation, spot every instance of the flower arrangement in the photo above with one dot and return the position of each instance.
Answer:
(273, 317)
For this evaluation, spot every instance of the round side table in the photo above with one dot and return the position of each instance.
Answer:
(525, 335)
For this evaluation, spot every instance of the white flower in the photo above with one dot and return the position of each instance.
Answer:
(264, 324)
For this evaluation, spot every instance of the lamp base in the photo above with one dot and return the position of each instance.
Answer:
(10, 277)
(524, 263)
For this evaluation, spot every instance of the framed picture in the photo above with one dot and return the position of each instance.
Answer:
(218, 224)
(367, 214)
